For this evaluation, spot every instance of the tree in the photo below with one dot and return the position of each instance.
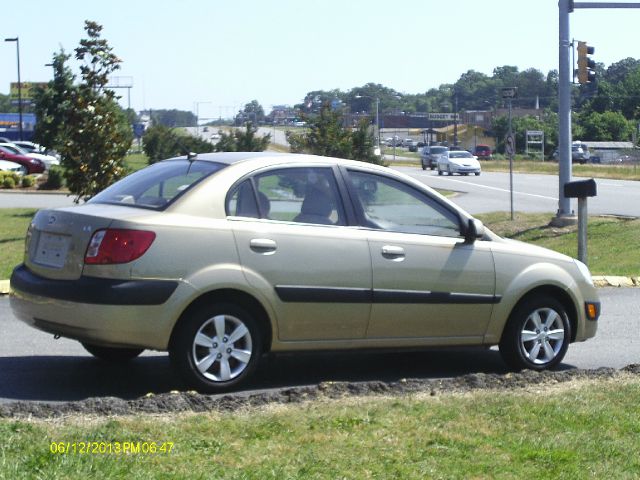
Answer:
(51, 104)
(160, 142)
(242, 140)
(327, 136)
(84, 122)
(96, 134)
(606, 126)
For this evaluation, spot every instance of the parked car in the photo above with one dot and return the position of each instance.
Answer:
(28, 146)
(48, 160)
(429, 156)
(482, 152)
(458, 161)
(222, 258)
(579, 153)
(7, 166)
(33, 165)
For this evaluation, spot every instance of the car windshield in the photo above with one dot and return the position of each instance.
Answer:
(437, 149)
(156, 186)
(460, 155)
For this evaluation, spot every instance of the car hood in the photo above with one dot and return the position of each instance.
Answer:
(464, 161)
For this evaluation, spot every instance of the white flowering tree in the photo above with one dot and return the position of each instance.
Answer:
(94, 134)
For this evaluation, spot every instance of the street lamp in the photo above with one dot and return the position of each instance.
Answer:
(17, 40)
(377, 115)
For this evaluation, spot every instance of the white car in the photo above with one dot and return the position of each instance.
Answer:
(48, 160)
(7, 166)
(458, 161)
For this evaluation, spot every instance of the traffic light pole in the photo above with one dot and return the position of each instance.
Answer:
(565, 76)
(564, 214)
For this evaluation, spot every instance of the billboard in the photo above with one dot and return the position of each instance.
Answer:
(26, 91)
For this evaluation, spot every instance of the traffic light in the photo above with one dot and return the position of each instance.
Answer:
(586, 65)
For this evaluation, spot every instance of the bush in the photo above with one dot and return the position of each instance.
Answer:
(9, 182)
(55, 179)
(28, 181)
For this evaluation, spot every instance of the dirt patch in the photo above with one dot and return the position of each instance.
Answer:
(195, 402)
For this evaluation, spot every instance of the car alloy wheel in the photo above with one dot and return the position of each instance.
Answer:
(216, 348)
(537, 335)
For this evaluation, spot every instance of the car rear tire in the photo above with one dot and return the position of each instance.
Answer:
(537, 334)
(439, 171)
(216, 348)
(112, 354)
(424, 167)
(477, 174)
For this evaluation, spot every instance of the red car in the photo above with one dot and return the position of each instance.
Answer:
(483, 152)
(33, 165)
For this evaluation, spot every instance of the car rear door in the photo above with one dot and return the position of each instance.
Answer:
(293, 242)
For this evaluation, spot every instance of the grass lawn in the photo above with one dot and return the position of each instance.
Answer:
(583, 429)
(15, 222)
(612, 242)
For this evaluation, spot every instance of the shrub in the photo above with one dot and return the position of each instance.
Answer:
(8, 182)
(55, 179)
(28, 181)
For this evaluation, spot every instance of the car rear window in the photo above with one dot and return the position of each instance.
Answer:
(437, 149)
(156, 186)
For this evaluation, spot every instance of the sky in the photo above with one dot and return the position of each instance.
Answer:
(213, 56)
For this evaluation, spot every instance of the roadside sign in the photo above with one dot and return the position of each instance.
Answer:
(510, 144)
(509, 92)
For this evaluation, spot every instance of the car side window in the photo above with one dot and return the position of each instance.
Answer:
(304, 194)
(389, 204)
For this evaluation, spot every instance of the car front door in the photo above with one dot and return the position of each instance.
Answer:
(292, 238)
(428, 284)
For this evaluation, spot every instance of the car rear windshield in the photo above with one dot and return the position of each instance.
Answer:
(156, 186)
(437, 149)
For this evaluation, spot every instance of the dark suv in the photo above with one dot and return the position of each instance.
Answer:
(429, 156)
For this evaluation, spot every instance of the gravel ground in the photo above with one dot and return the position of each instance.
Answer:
(195, 402)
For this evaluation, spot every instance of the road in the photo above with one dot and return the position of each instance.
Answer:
(35, 367)
(532, 193)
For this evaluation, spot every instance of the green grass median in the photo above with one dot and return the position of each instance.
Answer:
(576, 430)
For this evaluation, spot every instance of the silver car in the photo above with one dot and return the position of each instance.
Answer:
(222, 258)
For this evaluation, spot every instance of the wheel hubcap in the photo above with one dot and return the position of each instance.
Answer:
(542, 336)
(222, 348)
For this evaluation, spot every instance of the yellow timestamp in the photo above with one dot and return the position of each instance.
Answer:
(110, 448)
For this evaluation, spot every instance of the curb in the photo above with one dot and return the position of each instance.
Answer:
(598, 280)
(615, 281)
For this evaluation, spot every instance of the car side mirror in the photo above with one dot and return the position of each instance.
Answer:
(474, 231)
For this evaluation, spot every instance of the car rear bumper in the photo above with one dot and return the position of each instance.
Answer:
(135, 313)
(100, 291)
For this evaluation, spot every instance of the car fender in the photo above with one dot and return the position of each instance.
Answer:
(229, 276)
(535, 276)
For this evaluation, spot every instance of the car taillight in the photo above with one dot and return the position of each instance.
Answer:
(118, 246)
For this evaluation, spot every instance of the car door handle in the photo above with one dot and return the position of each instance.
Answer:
(263, 245)
(391, 252)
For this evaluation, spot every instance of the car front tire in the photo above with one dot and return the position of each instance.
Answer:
(537, 334)
(112, 354)
(216, 348)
